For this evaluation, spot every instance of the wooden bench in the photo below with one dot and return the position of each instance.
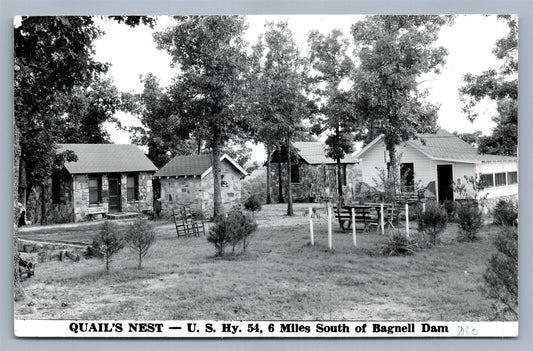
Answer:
(91, 211)
(344, 216)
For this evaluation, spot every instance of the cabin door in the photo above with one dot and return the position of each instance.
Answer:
(445, 181)
(114, 194)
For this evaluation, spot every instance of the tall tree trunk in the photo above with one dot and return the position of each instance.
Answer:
(22, 190)
(18, 291)
(217, 193)
(280, 179)
(43, 204)
(339, 178)
(393, 168)
(290, 211)
(268, 185)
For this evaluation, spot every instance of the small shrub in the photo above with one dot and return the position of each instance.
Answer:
(469, 218)
(433, 220)
(108, 242)
(398, 245)
(501, 275)
(252, 204)
(450, 207)
(505, 212)
(233, 229)
(140, 237)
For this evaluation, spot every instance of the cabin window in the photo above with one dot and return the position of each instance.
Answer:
(487, 180)
(295, 173)
(223, 182)
(512, 178)
(95, 189)
(56, 187)
(500, 179)
(133, 187)
(169, 197)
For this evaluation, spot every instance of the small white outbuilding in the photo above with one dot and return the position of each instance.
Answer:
(438, 160)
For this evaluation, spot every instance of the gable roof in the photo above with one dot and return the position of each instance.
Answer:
(106, 158)
(193, 165)
(314, 153)
(445, 146)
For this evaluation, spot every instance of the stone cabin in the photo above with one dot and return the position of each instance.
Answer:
(313, 174)
(106, 179)
(188, 181)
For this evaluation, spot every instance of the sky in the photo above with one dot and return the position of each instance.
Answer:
(132, 53)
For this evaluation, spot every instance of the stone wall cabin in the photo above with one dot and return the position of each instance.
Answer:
(313, 174)
(188, 181)
(438, 160)
(106, 178)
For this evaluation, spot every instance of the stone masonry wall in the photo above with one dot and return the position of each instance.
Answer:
(181, 191)
(231, 189)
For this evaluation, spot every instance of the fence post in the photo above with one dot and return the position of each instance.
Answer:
(330, 244)
(353, 231)
(311, 226)
(423, 207)
(382, 219)
(407, 220)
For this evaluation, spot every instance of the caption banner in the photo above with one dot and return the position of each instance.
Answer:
(261, 329)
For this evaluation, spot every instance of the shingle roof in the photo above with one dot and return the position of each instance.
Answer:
(106, 158)
(314, 152)
(191, 165)
(445, 146)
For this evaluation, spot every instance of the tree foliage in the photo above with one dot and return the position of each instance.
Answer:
(162, 130)
(329, 58)
(207, 94)
(500, 86)
(393, 52)
(281, 95)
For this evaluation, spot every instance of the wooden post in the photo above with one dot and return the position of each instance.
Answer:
(353, 230)
(407, 220)
(329, 229)
(423, 207)
(311, 226)
(382, 219)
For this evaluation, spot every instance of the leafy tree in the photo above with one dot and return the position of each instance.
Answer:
(471, 138)
(282, 83)
(393, 52)
(499, 86)
(140, 237)
(108, 242)
(211, 55)
(329, 58)
(162, 130)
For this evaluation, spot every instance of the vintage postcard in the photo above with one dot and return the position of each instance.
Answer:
(266, 176)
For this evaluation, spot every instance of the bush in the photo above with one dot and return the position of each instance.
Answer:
(233, 229)
(501, 275)
(469, 218)
(108, 242)
(450, 207)
(432, 221)
(505, 212)
(252, 203)
(140, 237)
(398, 245)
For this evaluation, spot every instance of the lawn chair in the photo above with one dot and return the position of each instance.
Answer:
(182, 227)
(194, 223)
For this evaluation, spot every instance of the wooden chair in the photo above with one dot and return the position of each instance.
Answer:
(194, 223)
(182, 227)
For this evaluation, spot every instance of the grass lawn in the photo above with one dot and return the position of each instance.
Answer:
(281, 276)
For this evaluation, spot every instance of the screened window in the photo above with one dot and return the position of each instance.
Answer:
(133, 187)
(487, 180)
(295, 174)
(95, 189)
(500, 179)
(512, 178)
